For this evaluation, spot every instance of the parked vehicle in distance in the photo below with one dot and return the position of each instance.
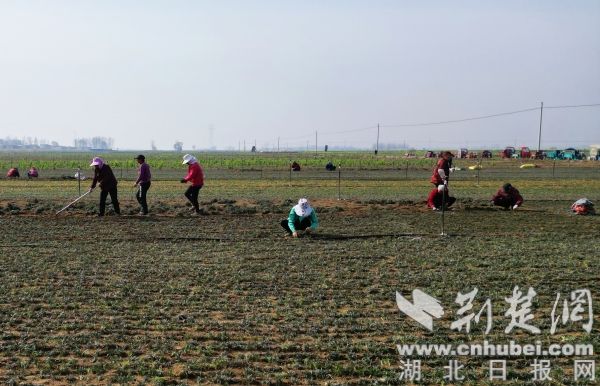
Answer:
(525, 152)
(538, 154)
(572, 154)
(553, 154)
(462, 153)
(486, 154)
(508, 152)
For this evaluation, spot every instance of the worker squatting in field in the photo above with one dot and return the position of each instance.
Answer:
(302, 217)
(508, 197)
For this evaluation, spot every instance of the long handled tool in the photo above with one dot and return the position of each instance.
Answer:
(443, 211)
(73, 202)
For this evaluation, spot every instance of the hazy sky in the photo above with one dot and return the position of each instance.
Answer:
(139, 71)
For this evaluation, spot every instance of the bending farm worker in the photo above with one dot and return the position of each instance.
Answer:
(32, 172)
(195, 177)
(142, 183)
(439, 195)
(13, 173)
(302, 217)
(441, 171)
(103, 175)
(507, 197)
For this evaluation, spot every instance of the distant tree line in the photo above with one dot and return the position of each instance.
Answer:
(33, 143)
(102, 143)
(27, 143)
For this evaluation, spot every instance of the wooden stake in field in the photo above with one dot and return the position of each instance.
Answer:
(443, 212)
(478, 169)
(339, 182)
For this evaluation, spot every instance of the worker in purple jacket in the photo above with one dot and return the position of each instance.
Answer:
(142, 183)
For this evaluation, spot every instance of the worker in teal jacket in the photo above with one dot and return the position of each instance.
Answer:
(302, 217)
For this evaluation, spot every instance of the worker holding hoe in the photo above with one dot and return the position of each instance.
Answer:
(195, 177)
(441, 171)
(142, 183)
(508, 197)
(302, 217)
(103, 175)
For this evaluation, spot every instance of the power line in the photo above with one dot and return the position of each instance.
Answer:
(421, 124)
(462, 120)
(571, 106)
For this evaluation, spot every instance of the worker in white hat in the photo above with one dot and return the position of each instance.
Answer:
(104, 176)
(302, 217)
(195, 177)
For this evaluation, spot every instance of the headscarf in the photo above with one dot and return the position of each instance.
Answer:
(303, 208)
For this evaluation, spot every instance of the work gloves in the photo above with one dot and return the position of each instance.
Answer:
(183, 181)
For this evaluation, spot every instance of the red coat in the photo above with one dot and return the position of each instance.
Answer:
(195, 174)
(443, 164)
(512, 197)
(435, 198)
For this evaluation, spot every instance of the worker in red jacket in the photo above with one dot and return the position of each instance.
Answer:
(508, 197)
(441, 171)
(195, 177)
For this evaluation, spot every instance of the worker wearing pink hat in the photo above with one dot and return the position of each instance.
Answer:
(103, 176)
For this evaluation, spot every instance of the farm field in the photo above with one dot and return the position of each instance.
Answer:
(226, 298)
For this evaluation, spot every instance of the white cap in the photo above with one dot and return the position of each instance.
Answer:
(188, 159)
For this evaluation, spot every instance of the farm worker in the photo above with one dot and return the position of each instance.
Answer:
(434, 200)
(441, 171)
(13, 173)
(195, 177)
(302, 217)
(508, 197)
(583, 206)
(32, 172)
(142, 183)
(103, 175)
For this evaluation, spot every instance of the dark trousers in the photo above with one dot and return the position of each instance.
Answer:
(141, 196)
(504, 202)
(448, 201)
(299, 225)
(192, 195)
(113, 199)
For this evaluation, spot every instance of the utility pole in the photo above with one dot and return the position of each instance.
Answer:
(277, 144)
(244, 145)
(316, 143)
(540, 133)
(377, 145)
